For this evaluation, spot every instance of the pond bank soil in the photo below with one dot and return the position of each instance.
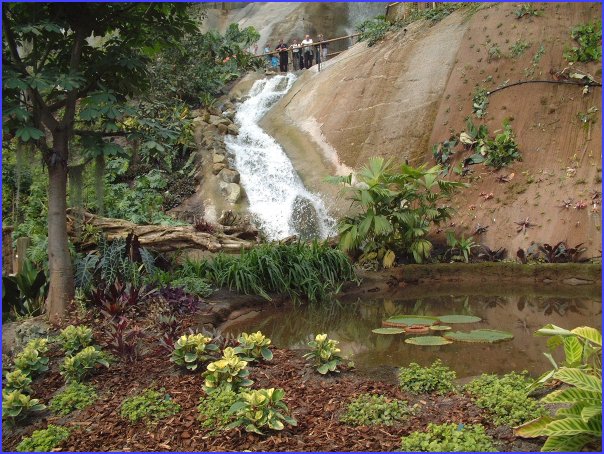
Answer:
(315, 401)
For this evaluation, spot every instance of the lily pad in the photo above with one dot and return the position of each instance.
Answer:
(459, 319)
(488, 336)
(440, 328)
(408, 320)
(428, 340)
(388, 331)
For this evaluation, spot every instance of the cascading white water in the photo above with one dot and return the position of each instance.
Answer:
(277, 198)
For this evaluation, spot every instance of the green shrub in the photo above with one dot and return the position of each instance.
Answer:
(150, 406)
(254, 346)
(324, 354)
(17, 406)
(395, 209)
(193, 285)
(230, 371)
(192, 350)
(44, 440)
(518, 48)
(83, 364)
(480, 102)
(505, 398)
(449, 438)
(373, 30)
(17, 381)
(31, 360)
(495, 152)
(261, 408)
(370, 409)
(435, 378)
(589, 38)
(214, 407)
(75, 396)
(75, 338)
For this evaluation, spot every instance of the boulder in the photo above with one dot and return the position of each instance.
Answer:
(228, 106)
(304, 219)
(215, 120)
(216, 168)
(219, 158)
(230, 114)
(229, 176)
(232, 191)
(223, 129)
(232, 129)
(214, 111)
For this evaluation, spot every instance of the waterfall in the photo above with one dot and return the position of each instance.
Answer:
(278, 200)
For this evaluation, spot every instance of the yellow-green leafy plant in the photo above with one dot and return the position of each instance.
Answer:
(16, 405)
(44, 440)
(253, 347)
(449, 438)
(192, 350)
(213, 409)
(17, 381)
(150, 406)
(436, 378)
(578, 425)
(261, 408)
(324, 354)
(75, 338)
(372, 409)
(229, 371)
(75, 396)
(31, 361)
(83, 364)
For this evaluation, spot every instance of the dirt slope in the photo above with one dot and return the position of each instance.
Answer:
(401, 96)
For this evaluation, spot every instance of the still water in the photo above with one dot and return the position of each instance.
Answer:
(378, 356)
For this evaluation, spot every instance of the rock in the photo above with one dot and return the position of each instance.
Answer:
(215, 120)
(577, 281)
(268, 72)
(230, 114)
(223, 129)
(218, 158)
(232, 191)
(199, 175)
(229, 176)
(214, 111)
(233, 130)
(227, 217)
(228, 106)
(216, 168)
(304, 219)
(33, 328)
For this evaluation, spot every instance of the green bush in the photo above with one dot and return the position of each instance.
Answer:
(254, 347)
(213, 409)
(261, 408)
(31, 360)
(17, 406)
(193, 285)
(17, 381)
(435, 378)
(395, 209)
(149, 406)
(192, 350)
(83, 364)
(75, 396)
(589, 38)
(370, 409)
(505, 398)
(75, 338)
(373, 30)
(324, 354)
(44, 440)
(449, 438)
(230, 371)
(313, 272)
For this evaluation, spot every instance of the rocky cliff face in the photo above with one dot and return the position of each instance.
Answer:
(414, 89)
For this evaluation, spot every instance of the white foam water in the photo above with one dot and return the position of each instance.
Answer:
(268, 177)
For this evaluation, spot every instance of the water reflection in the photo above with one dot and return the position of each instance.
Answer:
(377, 355)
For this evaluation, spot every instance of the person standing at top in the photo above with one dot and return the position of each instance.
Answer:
(308, 51)
(296, 54)
(267, 49)
(323, 50)
(282, 48)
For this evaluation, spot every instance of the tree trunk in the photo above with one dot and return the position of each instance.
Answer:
(62, 288)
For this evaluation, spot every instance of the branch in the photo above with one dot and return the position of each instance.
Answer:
(563, 82)
(74, 64)
(83, 133)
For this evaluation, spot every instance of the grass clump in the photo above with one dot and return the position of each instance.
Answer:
(506, 398)
(518, 48)
(589, 38)
(149, 406)
(373, 30)
(419, 380)
(372, 409)
(213, 409)
(75, 396)
(449, 438)
(44, 440)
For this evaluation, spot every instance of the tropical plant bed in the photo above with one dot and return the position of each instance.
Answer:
(315, 401)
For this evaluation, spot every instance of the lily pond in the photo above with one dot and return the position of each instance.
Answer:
(379, 355)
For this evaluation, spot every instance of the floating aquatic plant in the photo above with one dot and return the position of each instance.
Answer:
(459, 319)
(428, 340)
(401, 321)
(388, 331)
(488, 336)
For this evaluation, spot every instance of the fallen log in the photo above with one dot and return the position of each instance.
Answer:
(162, 238)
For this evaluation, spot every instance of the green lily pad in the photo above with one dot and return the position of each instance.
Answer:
(488, 336)
(459, 319)
(428, 340)
(440, 328)
(408, 320)
(388, 331)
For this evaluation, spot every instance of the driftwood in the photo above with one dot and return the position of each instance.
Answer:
(167, 238)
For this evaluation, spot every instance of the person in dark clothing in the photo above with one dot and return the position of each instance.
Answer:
(282, 48)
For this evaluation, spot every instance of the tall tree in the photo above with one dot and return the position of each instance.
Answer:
(66, 69)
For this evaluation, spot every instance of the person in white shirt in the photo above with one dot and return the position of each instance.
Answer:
(308, 51)
(296, 51)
